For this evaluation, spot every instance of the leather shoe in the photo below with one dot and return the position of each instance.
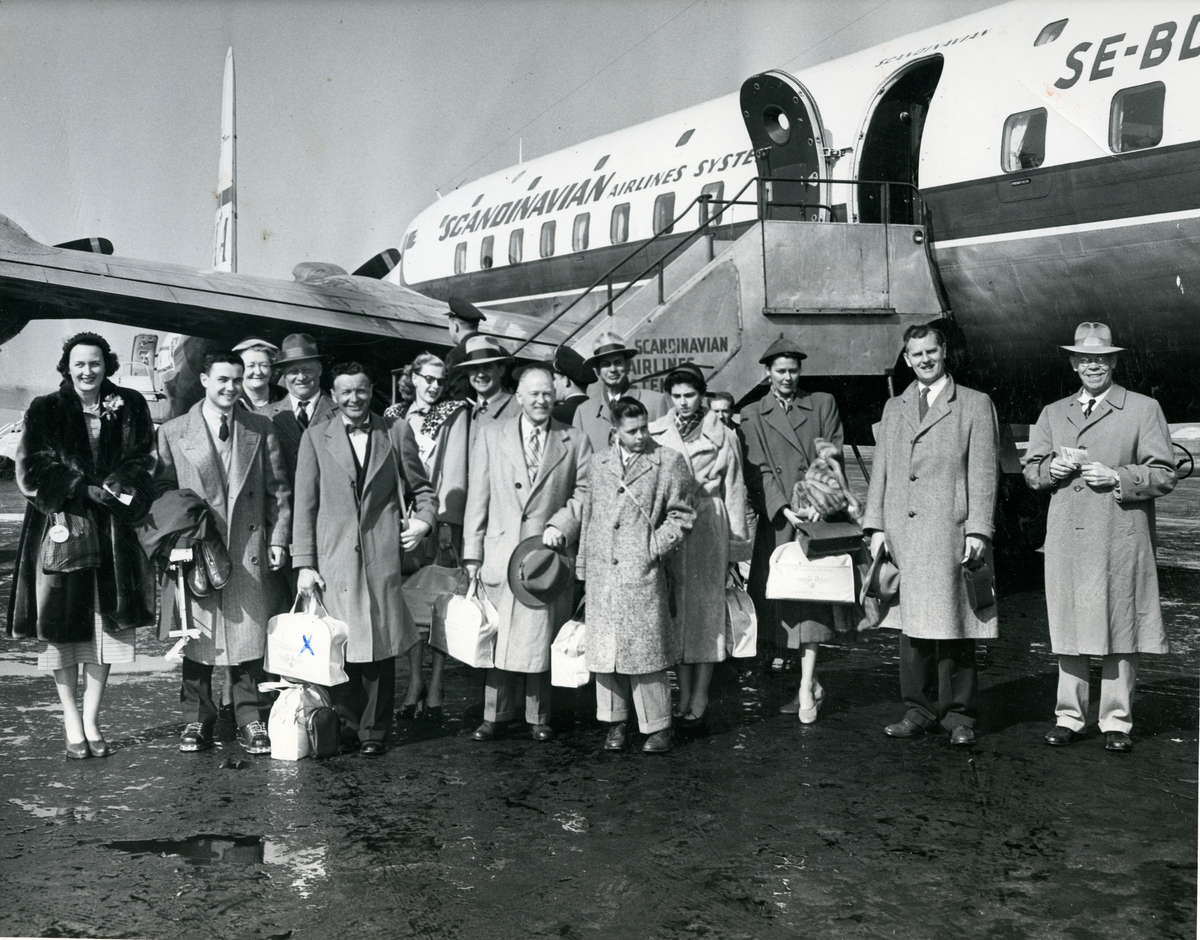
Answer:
(962, 736)
(1117, 741)
(904, 728)
(253, 738)
(658, 743)
(618, 737)
(372, 749)
(99, 748)
(488, 731)
(542, 733)
(1058, 736)
(78, 751)
(196, 737)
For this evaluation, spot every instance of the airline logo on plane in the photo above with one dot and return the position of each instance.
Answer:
(1157, 50)
(549, 200)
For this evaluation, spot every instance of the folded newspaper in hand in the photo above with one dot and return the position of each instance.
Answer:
(1075, 455)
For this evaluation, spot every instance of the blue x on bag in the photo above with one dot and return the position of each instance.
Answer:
(308, 646)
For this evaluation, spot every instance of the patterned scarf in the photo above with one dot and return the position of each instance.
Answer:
(785, 403)
(689, 427)
(438, 415)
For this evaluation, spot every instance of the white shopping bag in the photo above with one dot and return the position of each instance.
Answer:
(568, 664)
(289, 736)
(309, 646)
(468, 623)
(741, 619)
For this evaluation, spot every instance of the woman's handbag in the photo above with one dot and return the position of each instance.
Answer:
(568, 662)
(464, 626)
(309, 647)
(422, 589)
(72, 543)
(741, 620)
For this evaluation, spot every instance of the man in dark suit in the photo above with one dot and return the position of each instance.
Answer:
(299, 364)
(571, 380)
(610, 360)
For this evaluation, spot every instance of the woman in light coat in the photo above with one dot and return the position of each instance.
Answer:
(719, 536)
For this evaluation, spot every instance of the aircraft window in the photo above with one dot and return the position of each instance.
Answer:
(1024, 144)
(712, 207)
(460, 257)
(687, 135)
(1050, 32)
(536, 180)
(547, 245)
(516, 245)
(579, 231)
(603, 160)
(618, 226)
(485, 252)
(1136, 119)
(664, 213)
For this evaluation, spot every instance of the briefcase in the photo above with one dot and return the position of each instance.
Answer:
(981, 592)
(829, 538)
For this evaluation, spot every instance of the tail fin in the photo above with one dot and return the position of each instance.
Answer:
(225, 233)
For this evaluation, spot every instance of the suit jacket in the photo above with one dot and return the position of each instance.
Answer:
(503, 508)
(351, 534)
(252, 511)
(1101, 578)
(565, 410)
(933, 483)
(593, 419)
(288, 428)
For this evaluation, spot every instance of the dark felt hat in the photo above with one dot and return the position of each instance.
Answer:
(297, 347)
(480, 350)
(569, 363)
(882, 579)
(782, 347)
(462, 310)
(537, 574)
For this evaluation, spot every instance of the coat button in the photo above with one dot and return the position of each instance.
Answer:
(518, 486)
(617, 525)
(358, 548)
(253, 527)
(913, 478)
(620, 489)
(1078, 488)
(614, 561)
(911, 513)
(779, 469)
(254, 559)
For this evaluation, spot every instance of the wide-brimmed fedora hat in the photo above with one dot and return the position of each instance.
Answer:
(464, 311)
(297, 347)
(480, 350)
(782, 347)
(537, 574)
(606, 345)
(569, 363)
(1094, 338)
(255, 342)
(882, 579)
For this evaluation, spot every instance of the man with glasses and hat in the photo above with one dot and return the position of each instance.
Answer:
(524, 504)
(610, 360)
(1104, 455)
(299, 366)
(462, 319)
(571, 380)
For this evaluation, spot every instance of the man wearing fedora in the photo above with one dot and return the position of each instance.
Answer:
(931, 505)
(610, 360)
(462, 320)
(1104, 455)
(571, 381)
(524, 502)
(483, 364)
(299, 366)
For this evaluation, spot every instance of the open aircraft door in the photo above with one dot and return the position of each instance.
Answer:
(785, 128)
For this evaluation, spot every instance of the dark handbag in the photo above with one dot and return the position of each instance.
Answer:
(321, 722)
(71, 543)
(981, 593)
(829, 538)
(426, 585)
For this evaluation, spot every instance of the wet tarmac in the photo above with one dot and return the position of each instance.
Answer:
(759, 828)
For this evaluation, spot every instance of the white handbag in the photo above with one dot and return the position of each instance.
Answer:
(741, 619)
(795, 577)
(568, 662)
(308, 646)
(468, 622)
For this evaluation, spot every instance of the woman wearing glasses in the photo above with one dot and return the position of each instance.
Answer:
(441, 426)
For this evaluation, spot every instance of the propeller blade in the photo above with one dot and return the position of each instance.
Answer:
(96, 246)
(381, 265)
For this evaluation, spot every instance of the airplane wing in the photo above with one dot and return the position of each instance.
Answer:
(343, 311)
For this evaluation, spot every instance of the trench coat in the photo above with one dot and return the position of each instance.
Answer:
(779, 448)
(632, 522)
(1101, 579)
(252, 512)
(933, 483)
(719, 536)
(54, 466)
(288, 428)
(504, 508)
(352, 536)
(503, 407)
(591, 416)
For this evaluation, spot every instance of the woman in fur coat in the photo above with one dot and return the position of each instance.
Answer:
(83, 448)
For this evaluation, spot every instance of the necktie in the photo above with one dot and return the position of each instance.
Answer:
(924, 406)
(302, 414)
(1087, 409)
(482, 407)
(223, 433)
(533, 452)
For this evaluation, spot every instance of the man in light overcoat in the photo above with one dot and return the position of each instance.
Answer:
(233, 459)
(483, 363)
(610, 360)
(640, 506)
(528, 479)
(1104, 455)
(353, 476)
(932, 504)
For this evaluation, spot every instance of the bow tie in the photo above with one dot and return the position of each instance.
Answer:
(356, 429)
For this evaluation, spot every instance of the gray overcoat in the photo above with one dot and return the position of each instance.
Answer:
(933, 483)
(592, 418)
(352, 538)
(632, 522)
(503, 508)
(1101, 580)
(253, 512)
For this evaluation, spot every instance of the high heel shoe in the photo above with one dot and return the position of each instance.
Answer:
(77, 751)
(433, 713)
(99, 747)
(809, 715)
(413, 710)
(692, 722)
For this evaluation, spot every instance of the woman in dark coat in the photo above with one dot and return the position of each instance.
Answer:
(84, 447)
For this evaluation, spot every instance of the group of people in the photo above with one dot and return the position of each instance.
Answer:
(575, 489)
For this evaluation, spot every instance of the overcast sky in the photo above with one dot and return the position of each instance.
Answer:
(351, 114)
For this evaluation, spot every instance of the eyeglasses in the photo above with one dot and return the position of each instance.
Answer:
(429, 379)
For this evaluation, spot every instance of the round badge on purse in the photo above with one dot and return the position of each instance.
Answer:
(59, 533)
